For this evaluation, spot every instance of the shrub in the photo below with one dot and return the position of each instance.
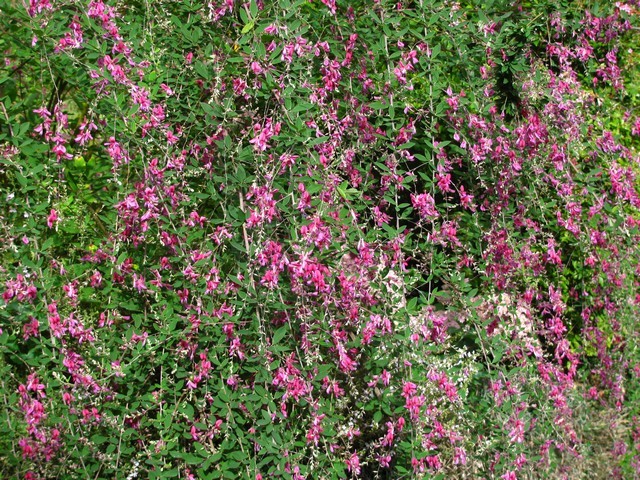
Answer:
(319, 239)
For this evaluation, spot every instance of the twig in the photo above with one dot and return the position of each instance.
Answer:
(4, 110)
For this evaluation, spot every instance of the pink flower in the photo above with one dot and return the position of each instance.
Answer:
(85, 132)
(353, 464)
(387, 440)
(167, 90)
(459, 456)
(316, 429)
(408, 389)
(331, 4)
(636, 127)
(434, 462)
(317, 232)
(380, 217)
(31, 329)
(413, 404)
(264, 134)
(516, 435)
(256, 68)
(96, 279)
(270, 279)
(52, 219)
(426, 205)
(67, 398)
(116, 152)
(139, 283)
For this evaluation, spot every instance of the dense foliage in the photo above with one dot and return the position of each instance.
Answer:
(319, 239)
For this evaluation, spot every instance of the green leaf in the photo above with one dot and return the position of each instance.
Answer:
(279, 334)
(187, 410)
(302, 107)
(248, 27)
(241, 173)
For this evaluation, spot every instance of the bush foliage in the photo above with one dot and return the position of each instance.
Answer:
(319, 239)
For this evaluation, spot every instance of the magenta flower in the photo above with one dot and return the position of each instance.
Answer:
(52, 219)
(426, 205)
(263, 134)
(353, 464)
